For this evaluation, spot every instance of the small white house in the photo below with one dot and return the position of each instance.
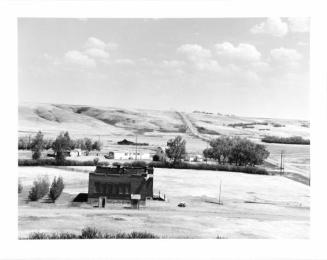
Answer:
(75, 153)
(131, 156)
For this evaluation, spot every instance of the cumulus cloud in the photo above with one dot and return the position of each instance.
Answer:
(97, 53)
(78, 58)
(299, 24)
(95, 43)
(194, 51)
(199, 57)
(284, 55)
(273, 26)
(242, 52)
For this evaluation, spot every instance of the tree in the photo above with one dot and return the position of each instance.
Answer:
(97, 145)
(61, 145)
(56, 189)
(39, 189)
(220, 149)
(176, 150)
(239, 151)
(88, 145)
(37, 145)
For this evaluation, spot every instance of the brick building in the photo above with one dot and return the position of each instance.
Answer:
(118, 184)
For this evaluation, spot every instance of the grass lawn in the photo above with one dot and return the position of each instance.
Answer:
(253, 206)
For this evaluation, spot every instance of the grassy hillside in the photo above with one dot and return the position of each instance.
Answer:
(52, 118)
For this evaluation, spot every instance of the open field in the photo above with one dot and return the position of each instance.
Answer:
(253, 206)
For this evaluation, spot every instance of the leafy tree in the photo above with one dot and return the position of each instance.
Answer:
(239, 151)
(97, 145)
(56, 189)
(37, 145)
(88, 145)
(61, 145)
(176, 150)
(80, 143)
(39, 189)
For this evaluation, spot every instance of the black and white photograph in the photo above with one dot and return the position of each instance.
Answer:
(157, 130)
(163, 128)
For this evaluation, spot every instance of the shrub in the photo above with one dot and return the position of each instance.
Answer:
(52, 162)
(286, 140)
(36, 155)
(39, 189)
(96, 161)
(156, 158)
(56, 189)
(138, 164)
(90, 233)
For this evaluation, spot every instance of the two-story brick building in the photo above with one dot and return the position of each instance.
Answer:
(118, 184)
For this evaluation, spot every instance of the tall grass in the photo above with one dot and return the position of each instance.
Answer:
(92, 233)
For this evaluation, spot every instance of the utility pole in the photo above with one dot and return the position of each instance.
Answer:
(281, 162)
(219, 193)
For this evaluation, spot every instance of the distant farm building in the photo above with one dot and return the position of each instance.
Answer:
(119, 184)
(129, 155)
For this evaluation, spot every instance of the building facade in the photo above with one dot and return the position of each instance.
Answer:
(119, 184)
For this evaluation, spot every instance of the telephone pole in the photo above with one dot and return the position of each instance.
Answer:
(282, 162)
(219, 202)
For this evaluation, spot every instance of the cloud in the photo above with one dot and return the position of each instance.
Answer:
(97, 53)
(273, 26)
(299, 24)
(95, 43)
(194, 51)
(78, 58)
(242, 52)
(199, 57)
(283, 55)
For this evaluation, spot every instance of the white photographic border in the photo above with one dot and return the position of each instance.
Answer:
(12, 248)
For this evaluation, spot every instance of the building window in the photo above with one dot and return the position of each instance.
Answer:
(114, 189)
(97, 187)
(127, 189)
(121, 189)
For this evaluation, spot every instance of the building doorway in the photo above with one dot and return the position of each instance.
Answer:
(102, 202)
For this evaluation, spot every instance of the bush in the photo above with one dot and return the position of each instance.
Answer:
(285, 140)
(20, 187)
(92, 233)
(56, 189)
(36, 155)
(52, 162)
(96, 161)
(156, 158)
(39, 189)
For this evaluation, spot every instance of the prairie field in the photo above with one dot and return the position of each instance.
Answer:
(253, 206)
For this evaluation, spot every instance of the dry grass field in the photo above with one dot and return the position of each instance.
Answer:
(253, 206)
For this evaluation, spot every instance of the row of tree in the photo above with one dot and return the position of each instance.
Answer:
(236, 150)
(60, 145)
(41, 187)
(231, 150)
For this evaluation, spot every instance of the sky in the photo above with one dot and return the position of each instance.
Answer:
(242, 66)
